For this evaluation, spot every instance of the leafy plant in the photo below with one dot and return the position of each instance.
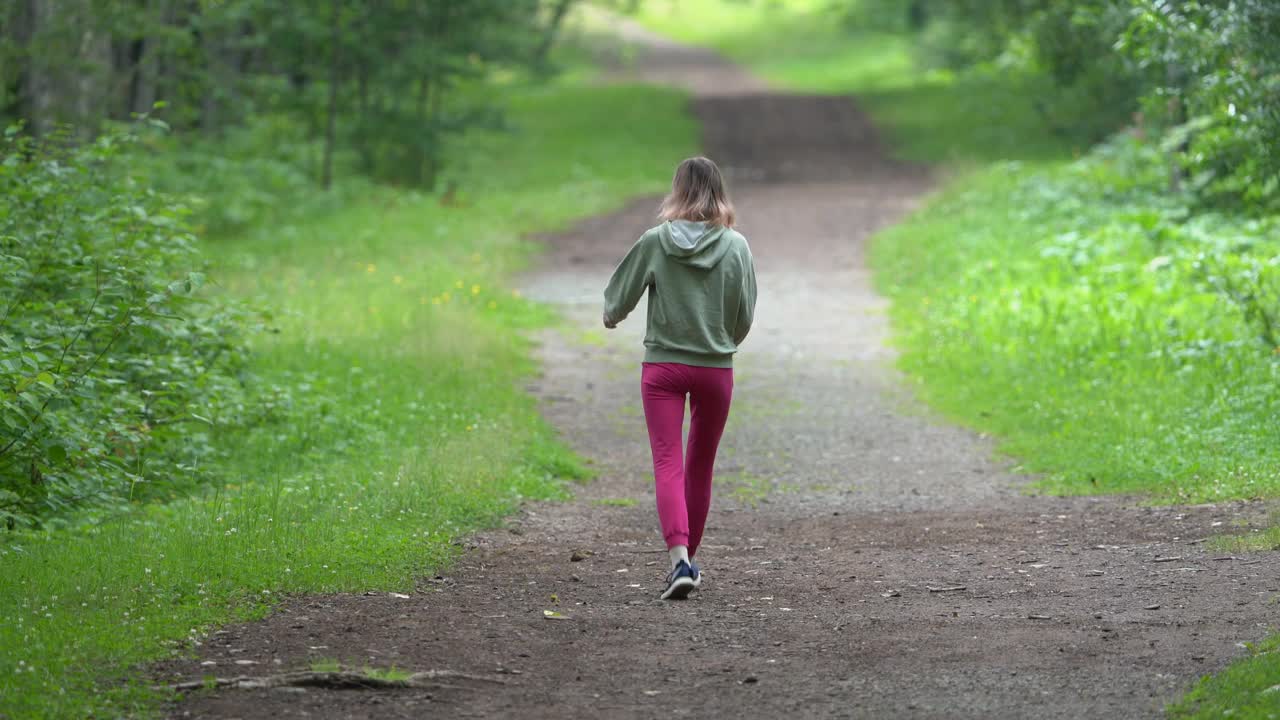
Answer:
(1213, 72)
(113, 366)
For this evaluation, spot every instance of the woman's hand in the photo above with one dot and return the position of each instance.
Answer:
(608, 323)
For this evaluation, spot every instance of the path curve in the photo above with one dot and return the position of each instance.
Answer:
(862, 559)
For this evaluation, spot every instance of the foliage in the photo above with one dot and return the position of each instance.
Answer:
(1213, 73)
(113, 366)
(400, 345)
(260, 172)
(378, 79)
(1204, 71)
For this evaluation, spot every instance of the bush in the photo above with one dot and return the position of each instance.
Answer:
(252, 173)
(113, 367)
(1215, 66)
(1206, 72)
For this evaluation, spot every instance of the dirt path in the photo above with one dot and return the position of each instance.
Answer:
(862, 559)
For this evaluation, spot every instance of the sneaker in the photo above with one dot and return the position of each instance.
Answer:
(697, 573)
(680, 582)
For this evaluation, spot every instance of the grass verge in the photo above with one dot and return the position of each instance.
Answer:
(397, 349)
(1249, 688)
(1076, 314)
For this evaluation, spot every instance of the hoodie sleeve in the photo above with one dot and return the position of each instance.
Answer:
(628, 282)
(746, 303)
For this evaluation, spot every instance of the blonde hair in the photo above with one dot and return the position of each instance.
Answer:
(697, 193)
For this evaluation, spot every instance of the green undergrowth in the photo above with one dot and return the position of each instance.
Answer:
(396, 347)
(1248, 689)
(1109, 337)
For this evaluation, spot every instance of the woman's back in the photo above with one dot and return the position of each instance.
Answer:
(701, 291)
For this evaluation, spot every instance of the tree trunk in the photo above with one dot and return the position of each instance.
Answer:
(94, 81)
(1175, 81)
(326, 171)
(553, 29)
(217, 79)
(40, 83)
(917, 15)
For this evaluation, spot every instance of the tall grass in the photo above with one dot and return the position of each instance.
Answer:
(397, 348)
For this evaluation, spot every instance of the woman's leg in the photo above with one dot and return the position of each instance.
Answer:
(709, 400)
(662, 390)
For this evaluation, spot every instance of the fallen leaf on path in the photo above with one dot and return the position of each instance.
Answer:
(891, 593)
(1152, 607)
(553, 615)
(402, 596)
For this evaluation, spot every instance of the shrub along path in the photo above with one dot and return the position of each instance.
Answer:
(861, 559)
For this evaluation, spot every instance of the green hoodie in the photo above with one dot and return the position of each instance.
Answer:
(702, 292)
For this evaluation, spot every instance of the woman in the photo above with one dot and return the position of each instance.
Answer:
(702, 295)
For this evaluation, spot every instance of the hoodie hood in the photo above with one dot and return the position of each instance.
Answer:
(699, 244)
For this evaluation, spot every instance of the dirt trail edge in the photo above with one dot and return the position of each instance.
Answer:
(862, 560)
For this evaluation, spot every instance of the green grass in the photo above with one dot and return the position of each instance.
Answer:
(392, 674)
(1256, 540)
(397, 348)
(1247, 690)
(325, 665)
(750, 489)
(1066, 310)
(616, 502)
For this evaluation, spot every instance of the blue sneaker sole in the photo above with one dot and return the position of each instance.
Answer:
(679, 589)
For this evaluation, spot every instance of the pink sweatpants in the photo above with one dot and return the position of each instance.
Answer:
(683, 484)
